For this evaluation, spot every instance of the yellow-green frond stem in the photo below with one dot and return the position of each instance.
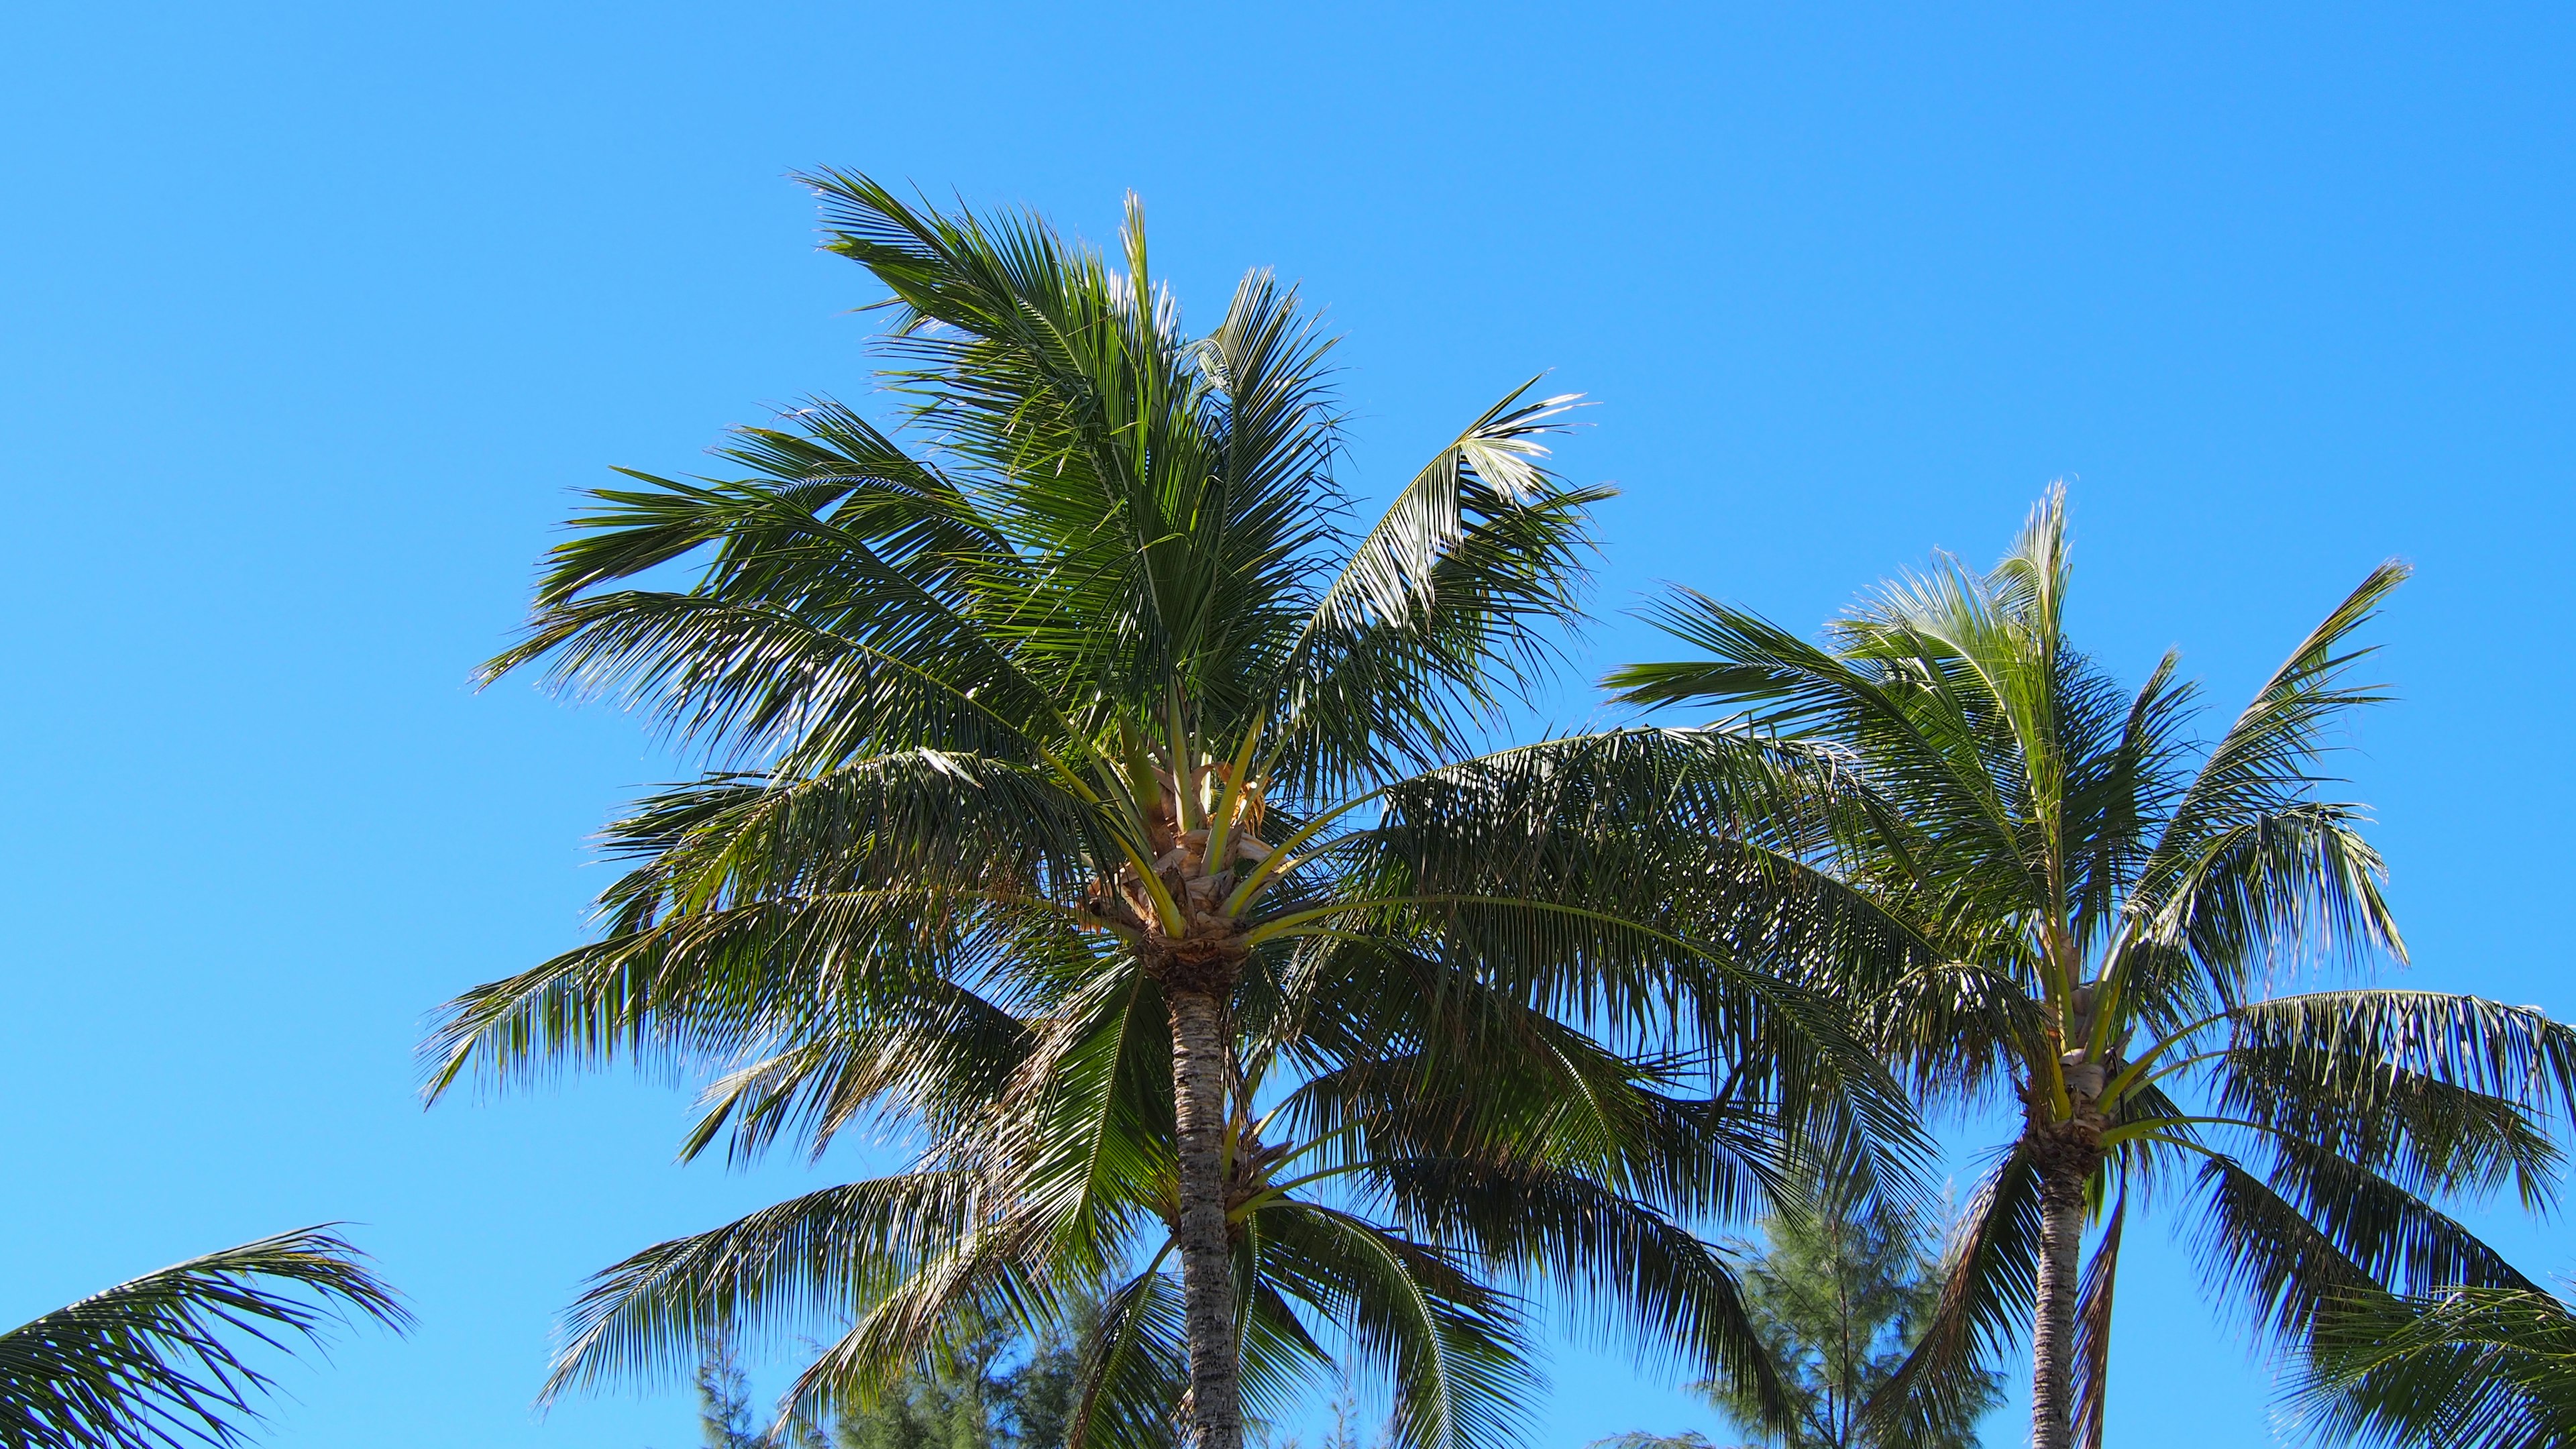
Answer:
(1272, 864)
(2129, 1074)
(1237, 781)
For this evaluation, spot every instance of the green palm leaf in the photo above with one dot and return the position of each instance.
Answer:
(157, 1361)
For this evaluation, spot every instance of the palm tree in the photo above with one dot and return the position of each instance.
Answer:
(2095, 907)
(146, 1363)
(1089, 727)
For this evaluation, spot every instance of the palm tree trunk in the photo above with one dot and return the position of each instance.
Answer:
(2061, 1238)
(1207, 1260)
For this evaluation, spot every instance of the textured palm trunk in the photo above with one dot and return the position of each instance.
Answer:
(1207, 1260)
(2066, 1153)
(2061, 1237)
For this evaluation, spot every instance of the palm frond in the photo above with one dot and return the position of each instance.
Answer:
(158, 1361)
(1134, 1372)
(2464, 1368)
(2321, 1231)
(2093, 1330)
(2267, 760)
(2440, 1093)
(1450, 1345)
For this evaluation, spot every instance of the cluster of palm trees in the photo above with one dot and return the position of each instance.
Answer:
(1092, 808)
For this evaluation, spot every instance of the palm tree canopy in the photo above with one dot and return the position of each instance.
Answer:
(2096, 903)
(1382, 1218)
(1090, 798)
(157, 1362)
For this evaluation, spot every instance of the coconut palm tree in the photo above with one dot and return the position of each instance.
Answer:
(153, 1362)
(2096, 907)
(1088, 720)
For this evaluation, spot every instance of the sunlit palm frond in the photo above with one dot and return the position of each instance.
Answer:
(158, 1362)
(2267, 759)
(2451, 1114)
(1919, 742)
(727, 984)
(807, 1259)
(1372, 690)
(2514, 1052)
(2273, 893)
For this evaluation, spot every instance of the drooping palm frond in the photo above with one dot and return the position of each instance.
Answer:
(2093, 1331)
(2461, 1368)
(2445, 1093)
(2290, 1246)
(1990, 1282)
(159, 1361)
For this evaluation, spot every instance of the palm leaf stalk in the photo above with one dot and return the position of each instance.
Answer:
(1094, 708)
(2096, 907)
(158, 1362)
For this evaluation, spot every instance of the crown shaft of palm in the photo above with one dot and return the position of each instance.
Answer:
(2094, 906)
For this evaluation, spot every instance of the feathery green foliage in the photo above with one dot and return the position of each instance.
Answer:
(1839, 1299)
(1094, 806)
(2095, 904)
(158, 1361)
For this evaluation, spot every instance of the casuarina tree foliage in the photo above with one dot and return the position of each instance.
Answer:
(2096, 905)
(1839, 1297)
(1096, 807)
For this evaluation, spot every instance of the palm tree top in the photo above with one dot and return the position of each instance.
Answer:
(1088, 769)
(1108, 523)
(2041, 823)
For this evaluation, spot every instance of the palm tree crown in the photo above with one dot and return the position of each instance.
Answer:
(2094, 907)
(1104, 810)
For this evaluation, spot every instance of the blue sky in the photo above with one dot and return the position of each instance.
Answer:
(309, 317)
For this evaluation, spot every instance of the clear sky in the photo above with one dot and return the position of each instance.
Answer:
(311, 316)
